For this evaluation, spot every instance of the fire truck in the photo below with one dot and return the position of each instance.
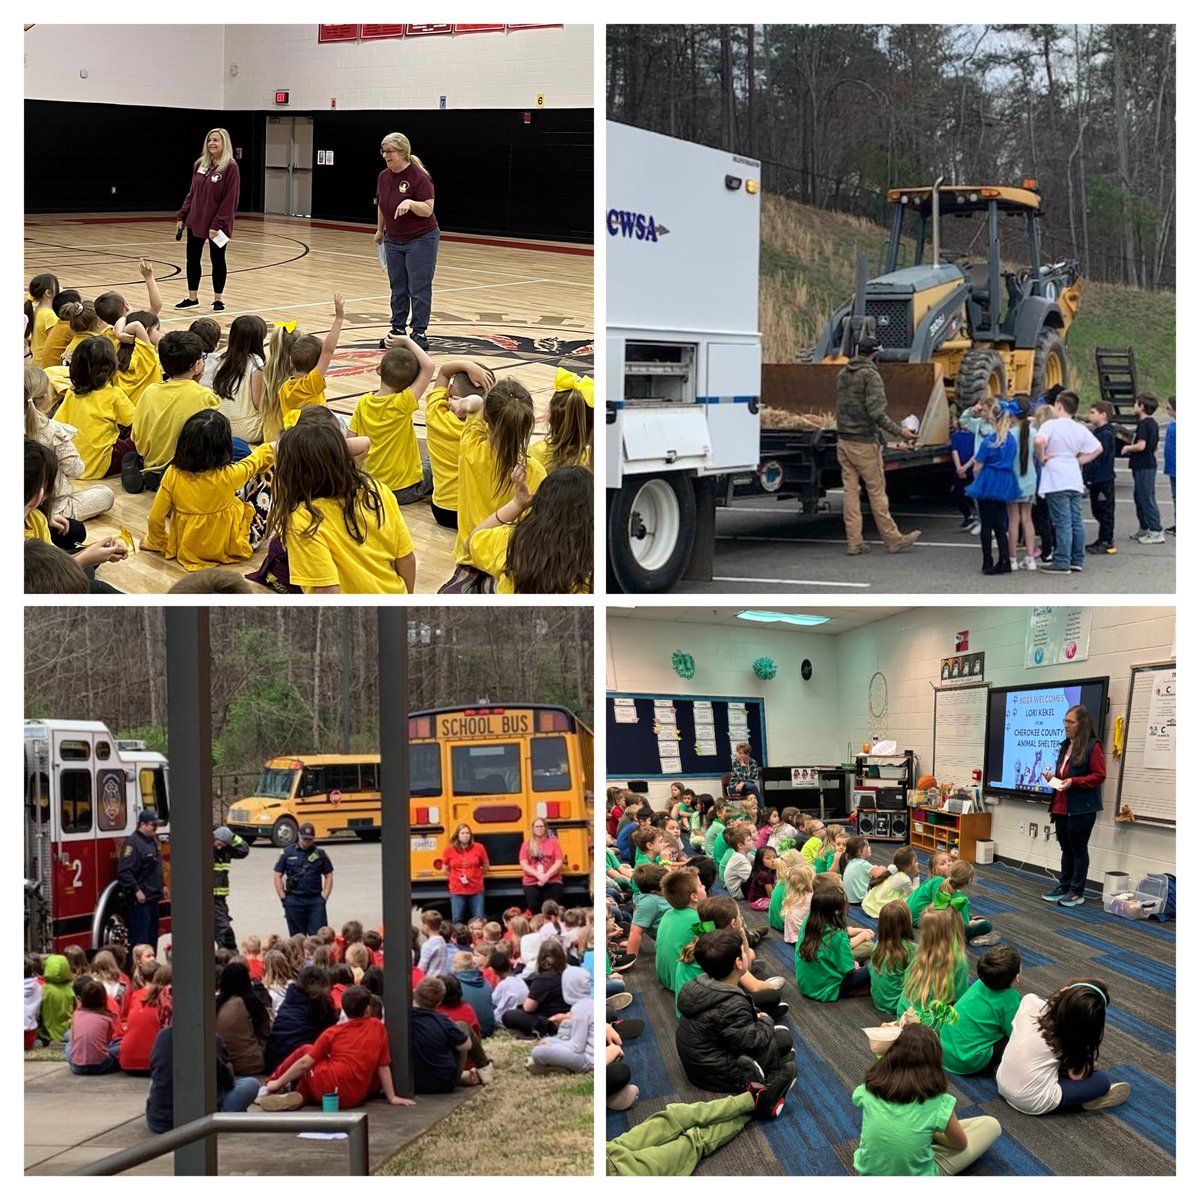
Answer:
(83, 791)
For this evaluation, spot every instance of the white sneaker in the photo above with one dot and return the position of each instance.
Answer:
(1154, 537)
(975, 528)
(1029, 563)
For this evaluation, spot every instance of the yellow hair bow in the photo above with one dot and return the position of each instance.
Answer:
(31, 297)
(565, 381)
(290, 326)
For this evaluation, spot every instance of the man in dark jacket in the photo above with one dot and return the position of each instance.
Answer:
(861, 421)
(226, 847)
(723, 1043)
(140, 873)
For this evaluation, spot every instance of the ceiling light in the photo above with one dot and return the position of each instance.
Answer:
(749, 614)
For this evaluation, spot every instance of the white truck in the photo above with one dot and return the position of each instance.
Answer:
(684, 356)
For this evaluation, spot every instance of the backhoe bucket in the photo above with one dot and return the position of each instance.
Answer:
(810, 390)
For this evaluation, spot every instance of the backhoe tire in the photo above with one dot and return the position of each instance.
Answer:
(1049, 363)
(981, 376)
(651, 531)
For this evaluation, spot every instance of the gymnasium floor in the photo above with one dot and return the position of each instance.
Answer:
(817, 1133)
(520, 308)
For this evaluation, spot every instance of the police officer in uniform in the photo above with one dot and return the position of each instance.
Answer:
(303, 882)
(226, 847)
(140, 873)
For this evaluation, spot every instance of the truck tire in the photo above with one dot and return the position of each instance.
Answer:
(651, 531)
(981, 376)
(1049, 363)
(283, 832)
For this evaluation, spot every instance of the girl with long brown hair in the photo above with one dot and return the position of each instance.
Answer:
(568, 441)
(939, 970)
(342, 531)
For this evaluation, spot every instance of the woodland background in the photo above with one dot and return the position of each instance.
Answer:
(278, 672)
(840, 113)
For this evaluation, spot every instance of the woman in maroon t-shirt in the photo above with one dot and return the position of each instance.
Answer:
(208, 211)
(409, 233)
(465, 863)
(542, 861)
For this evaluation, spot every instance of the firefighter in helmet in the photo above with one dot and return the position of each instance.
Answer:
(226, 847)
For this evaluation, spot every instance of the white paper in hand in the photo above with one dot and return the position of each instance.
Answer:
(221, 240)
(382, 255)
(1059, 785)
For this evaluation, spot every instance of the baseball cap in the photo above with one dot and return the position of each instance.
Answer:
(307, 830)
(149, 815)
(223, 834)
(868, 345)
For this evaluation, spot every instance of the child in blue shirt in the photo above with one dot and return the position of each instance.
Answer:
(995, 485)
(962, 452)
(1169, 455)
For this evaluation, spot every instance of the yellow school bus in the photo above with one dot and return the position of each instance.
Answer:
(496, 767)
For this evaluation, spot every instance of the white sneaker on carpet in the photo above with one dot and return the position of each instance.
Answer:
(1117, 1094)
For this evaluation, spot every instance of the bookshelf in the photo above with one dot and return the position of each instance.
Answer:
(932, 829)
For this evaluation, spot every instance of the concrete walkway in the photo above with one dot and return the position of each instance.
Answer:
(72, 1120)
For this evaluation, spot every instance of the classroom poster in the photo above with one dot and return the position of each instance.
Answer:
(1159, 753)
(624, 712)
(1033, 732)
(1057, 635)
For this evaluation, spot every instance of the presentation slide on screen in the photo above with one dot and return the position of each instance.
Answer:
(1033, 731)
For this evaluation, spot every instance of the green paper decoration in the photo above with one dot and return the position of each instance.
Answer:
(765, 668)
(684, 664)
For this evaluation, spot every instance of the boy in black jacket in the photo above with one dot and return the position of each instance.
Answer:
(723, 1043)
(1100, 475)
(1144, 465)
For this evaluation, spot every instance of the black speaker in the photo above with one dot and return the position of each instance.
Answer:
(869, 822)
(890, 798)
(898, 822)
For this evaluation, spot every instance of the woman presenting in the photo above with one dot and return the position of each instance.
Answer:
(208, 211)
(465, 863)
(542, 862)
(1080, 765)
(409, 233)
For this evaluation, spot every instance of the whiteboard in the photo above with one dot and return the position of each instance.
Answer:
(1148, 791)
(959, 731)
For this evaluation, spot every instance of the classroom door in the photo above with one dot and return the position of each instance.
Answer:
(289, 166)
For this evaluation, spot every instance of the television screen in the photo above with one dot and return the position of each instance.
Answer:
(1025, 730)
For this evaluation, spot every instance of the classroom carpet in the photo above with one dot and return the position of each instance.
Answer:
(817, 1133)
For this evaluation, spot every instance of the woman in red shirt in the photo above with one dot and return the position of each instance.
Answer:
(208, 211)
(465, 863)
(542, 860)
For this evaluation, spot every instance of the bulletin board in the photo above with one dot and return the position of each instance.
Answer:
(1147, 778)
(634, 742)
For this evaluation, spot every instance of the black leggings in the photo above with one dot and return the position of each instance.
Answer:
(993, 519)
(447, 518)
(1073, 833)
(616, 1076)
(216, 256)
(537, 894)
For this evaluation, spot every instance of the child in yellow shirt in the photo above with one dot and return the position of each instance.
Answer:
(134, 335)
(39, 312)
(385, 416)
(446, 414)
(294, 376)
(210, 523)
(99, 410)
(165, 407)
(540, 544)
(568, 441)
(492, 445)
(343, 532)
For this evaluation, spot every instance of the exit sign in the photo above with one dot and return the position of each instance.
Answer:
(281, 97)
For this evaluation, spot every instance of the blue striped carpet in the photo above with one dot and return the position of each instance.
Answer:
(818, 1131)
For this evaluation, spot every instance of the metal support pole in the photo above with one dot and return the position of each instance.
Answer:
(396, 847)
(994, 269)
(189, 725)
(347, 675)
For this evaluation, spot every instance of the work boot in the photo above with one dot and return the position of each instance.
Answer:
(908, 539)
(861, 549)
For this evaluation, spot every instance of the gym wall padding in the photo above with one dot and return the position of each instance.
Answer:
(633, 749)
(493, 174)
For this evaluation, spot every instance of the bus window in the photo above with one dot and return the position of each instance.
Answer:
(74, 751)
(152, 786)
(75, 789)
(369, 775)
(275, 784)
(551, 769)
(486, 770)
(103, 751)
(313, 782)
(342, 777)
(424, 769)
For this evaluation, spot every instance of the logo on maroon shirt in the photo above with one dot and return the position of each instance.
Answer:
(216, 177)
(402, 186)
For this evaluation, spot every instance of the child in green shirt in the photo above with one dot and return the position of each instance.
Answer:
(894, 950)
(920, 899)
(825, 966)
(716, 829)
(683, 891)
(985, 1014)
(650, 907)
(649, 846)
(938, 971)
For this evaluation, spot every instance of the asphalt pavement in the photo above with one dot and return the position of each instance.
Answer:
(765, 545)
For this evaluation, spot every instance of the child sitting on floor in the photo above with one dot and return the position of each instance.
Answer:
(825, 966)
(894, 882)
(938, 973)
(976, 1041)
(894, 950)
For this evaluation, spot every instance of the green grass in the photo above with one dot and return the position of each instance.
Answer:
(806, 272)
(520, 1124)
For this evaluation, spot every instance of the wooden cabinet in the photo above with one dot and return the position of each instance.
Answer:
(932, 829)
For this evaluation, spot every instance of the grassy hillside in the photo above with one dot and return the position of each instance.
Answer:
(807, 271)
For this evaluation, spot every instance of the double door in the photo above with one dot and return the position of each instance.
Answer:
(289, 166)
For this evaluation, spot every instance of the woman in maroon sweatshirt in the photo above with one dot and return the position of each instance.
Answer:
(208, 210)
